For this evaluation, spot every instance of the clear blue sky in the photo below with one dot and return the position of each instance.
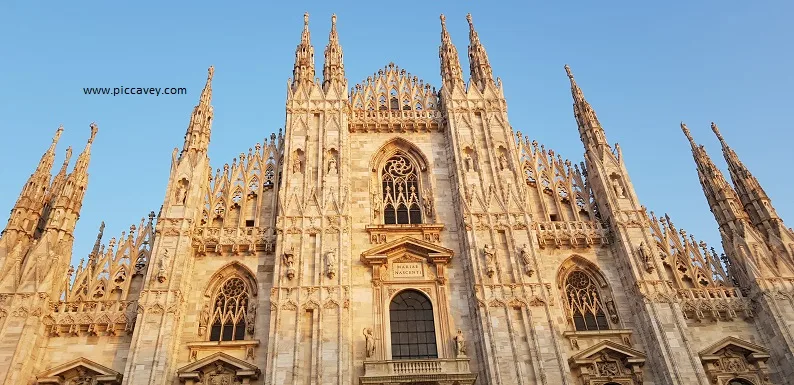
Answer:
(644, 66)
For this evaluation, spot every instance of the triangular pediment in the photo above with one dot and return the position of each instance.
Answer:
(80, 367)
(736, 345)
(219, 359)
(407, 245)
(611, 348)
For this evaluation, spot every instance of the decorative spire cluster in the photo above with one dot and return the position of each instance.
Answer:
(590, 129)
(747, 186)
(197, 138)
(32, 198)
(481, 72)
(303, 71)
(723, 200)
(450, 63)
(334, 68)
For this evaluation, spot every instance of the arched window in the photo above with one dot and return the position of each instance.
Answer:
(413, 333)
(584, 302)
(400, 192)
(229, 311)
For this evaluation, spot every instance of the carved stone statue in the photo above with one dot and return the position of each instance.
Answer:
(645, 255)
(618, 188)
(503, 162)
(427, 202)
(332, 166)
(181, 194)
(296, 164)
(289, 262)
(161, 267)
(376, 205)
(204, 319)
(250, 318)
(523, 253)
(370, 342)
(490, 259)
(330, 263)
(460, 344)
(469, 163)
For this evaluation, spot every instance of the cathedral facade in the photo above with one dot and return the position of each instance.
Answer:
(398, 234)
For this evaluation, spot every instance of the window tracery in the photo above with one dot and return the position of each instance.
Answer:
(584, 302)
(401, 196)
(230, 308)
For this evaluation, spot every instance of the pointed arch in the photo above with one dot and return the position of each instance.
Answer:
(586, 295)
(392, 147)
(233, 268)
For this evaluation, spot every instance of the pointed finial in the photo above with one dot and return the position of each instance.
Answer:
(306, 19)
(468, 18)
(685, 129)
(333, 20)
(443, 21)
(57, 135)
(568, 71)
(210, 73)
(719, 135)
(94, 130)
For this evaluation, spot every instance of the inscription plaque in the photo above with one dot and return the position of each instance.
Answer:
(407, 269)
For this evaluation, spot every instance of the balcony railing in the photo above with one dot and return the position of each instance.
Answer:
(399, 371)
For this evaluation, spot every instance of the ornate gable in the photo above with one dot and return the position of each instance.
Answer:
(733, 358)
(219, 368)
(393, 99)
(609, 360)
(408, 258)
(80, 372)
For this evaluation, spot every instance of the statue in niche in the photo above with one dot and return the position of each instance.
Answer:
(181, 192)
(490, 259)
(503, 162)
(332, 165)
(376, 205)
(427, 202)
(296, 164)
(613, 313)
(289, 262)
(618, 187)
(523, 253)
(204, 319)
(460, 344)
(250, 319)
(468, 162)
(161, 267)
(330, 263)
(369, 339)
(645, 256)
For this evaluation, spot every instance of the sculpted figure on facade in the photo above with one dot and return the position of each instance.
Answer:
(288, 259)
(330, 263)
(524, 254)
(332, 166)
(490, 259)
(460, 344)
(369, 341)
(376, 205)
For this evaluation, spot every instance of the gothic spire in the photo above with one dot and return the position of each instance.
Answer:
(450, 63)
(92, 258)
(720, 195)
(590, 130)
(334, 68)
(304, 57)
(481, 72)
(197, 138)
(753, 197)
(31, 200)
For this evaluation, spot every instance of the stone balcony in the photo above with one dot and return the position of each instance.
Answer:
(428, 371)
